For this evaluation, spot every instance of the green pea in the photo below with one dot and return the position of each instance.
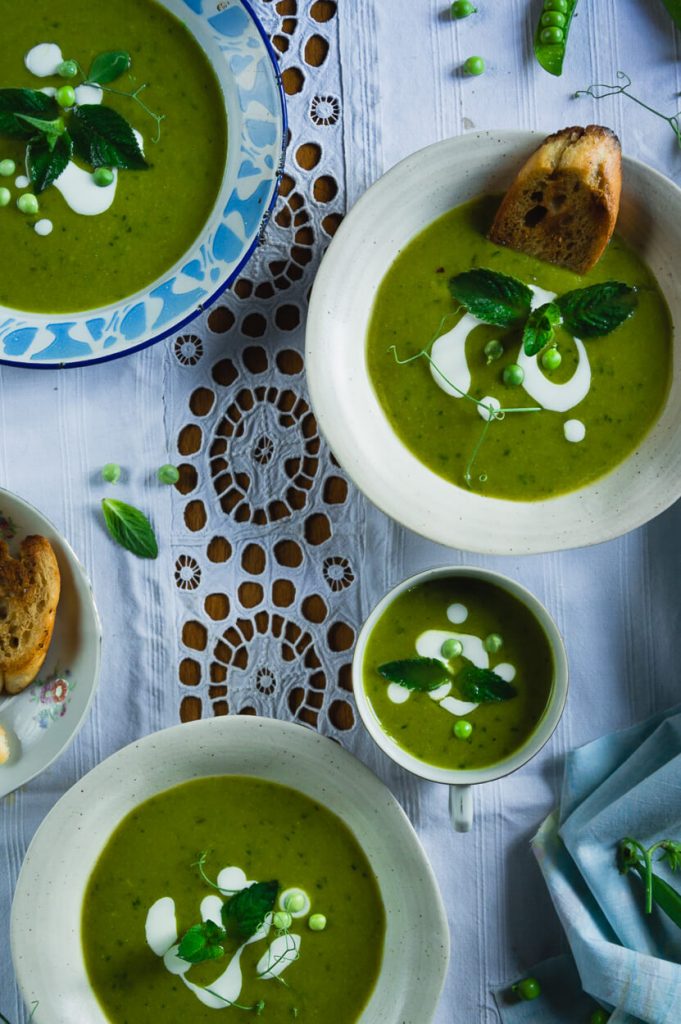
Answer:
(103, 176)
(553, 18)
(556, 5)
(281, 920)
(462, 729)
(168, 474)
(7, 168)
(552, 35)
(513, 375)
(317, 922)
(67, 69)
(462, 9)
(474, 66)
(295, 902)
(551, 359)
(65, 95)
(528, 988)
(111, 472)
(493, 350)
(493, 643)
(5, 196)
(451, 648)
(599, 1016)
(28, 203)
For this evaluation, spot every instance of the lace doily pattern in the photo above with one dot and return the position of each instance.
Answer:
(266, 535)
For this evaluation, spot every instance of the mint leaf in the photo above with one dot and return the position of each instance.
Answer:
(422, 674)
(597, 310)
(46, 159)
(130, 528)
(482, 686)
(26, 102)
(245, 912)
(107, 67)
(492, 297)
(539, 327)
(103, 138)
(53, 129)
(202, 942)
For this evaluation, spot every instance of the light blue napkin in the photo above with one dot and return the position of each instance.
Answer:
(625, 784)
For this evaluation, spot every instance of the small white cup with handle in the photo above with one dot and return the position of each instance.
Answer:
(460, 782)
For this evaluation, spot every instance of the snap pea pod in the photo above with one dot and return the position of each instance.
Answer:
(674, 8)
(666, 897)
(550, 39)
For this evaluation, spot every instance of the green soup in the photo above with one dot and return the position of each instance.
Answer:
(417, 623)
(270, 832)
(526, 456)
(90, 261)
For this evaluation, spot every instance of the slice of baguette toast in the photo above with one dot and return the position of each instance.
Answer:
(564, 202)
(29, 594)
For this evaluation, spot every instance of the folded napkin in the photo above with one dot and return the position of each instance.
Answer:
(624, 784)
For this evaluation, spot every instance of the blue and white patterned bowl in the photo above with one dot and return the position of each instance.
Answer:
(247, 70)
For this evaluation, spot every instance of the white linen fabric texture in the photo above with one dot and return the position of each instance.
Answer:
(396, 70)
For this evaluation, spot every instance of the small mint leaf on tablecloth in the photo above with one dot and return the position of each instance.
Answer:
(539, 328)
(483, 686)
(597, 310)
(245, 912)
(102, 138)
(27, 102)
(130, 528)
(492, 297)
(108, 66)
(46, 159)
(421, 674)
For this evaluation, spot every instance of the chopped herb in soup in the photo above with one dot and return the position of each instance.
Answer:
(458, 672)
(113, 142)
(235, 894)
(512, 377)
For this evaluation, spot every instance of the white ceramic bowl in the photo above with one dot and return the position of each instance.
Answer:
(460, 781)
(48, 959)
(44, 718)
(386, 218)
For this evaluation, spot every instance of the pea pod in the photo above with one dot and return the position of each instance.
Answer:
(550, 39)
(666, 897)
(674, 8)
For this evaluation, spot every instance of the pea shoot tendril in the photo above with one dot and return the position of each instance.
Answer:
(490, 413)
(601, 91)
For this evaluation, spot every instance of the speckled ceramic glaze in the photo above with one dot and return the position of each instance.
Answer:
(44, 718)
(49, 963)
(246, 67)
(422, 188)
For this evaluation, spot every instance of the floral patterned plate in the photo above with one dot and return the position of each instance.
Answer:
(246, 67)
(43, 719)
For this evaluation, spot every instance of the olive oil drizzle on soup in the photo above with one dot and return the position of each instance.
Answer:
(417, 623)
(91, 261)
(527, 456)
(268, 831)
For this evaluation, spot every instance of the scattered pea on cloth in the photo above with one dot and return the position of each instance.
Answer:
(462, 9)
(561, 999)
(474, 66)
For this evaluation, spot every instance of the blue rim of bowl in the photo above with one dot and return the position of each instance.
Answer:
(232, 276)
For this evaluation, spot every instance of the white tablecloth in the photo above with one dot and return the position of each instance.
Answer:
(388, 85)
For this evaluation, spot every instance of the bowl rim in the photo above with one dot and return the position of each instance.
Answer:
(547, 723)
(406, 514)
(291, 736)
(97, 622)
(196, 310)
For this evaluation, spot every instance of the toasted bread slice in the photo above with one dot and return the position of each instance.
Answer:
(564, 202)
(4, 746)
(29, 594)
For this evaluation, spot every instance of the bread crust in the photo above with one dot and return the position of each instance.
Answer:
(563, 205)
(29, 594)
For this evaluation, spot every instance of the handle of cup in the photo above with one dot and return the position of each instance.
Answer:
(461, 807)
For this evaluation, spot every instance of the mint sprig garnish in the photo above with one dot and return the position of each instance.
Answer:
(492, 297)
(130, 528)
(597, 310)
(102, 138)
(483, 686)
(28, 102)
(420, 674)
(202, 942)
(539, 327)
